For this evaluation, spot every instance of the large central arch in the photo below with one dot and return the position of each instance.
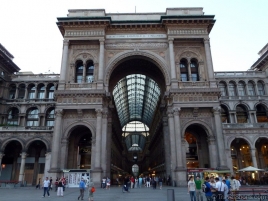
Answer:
(146, 55)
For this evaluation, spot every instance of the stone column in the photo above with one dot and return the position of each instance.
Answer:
(174, 83)
(101, 60)
(189, 70)
(219, 138)
(183, 152)
(209, 62)
(212, 152)
(229, 160)
(22, 167)
(179, 164)
(104, 143)
(1, 156)
(17, 92)
(64, 62)
(98, 140)
(172, 143)
(55, 166)
(84, 73)
(167, 146)
(93, 151)
(108, 146)
(239, 160)
(47, 164)
(36, 91)
(261, 160)
(253, 156)
(26, 92)
(64, 150)
(22, 119)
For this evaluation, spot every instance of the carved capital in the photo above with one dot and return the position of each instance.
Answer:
(165, 121)
(1, 155)
(48, 154)
(23, 155)
(170, 113)
(170, 40)
(99, 112)
(65, 42)
(216, 110)
(59, 113)
(176, 111)
(102, 41)
(206, 40)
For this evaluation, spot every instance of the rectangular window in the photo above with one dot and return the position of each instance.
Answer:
(194, 77)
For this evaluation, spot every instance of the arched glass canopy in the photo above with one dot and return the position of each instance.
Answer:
(136, 98)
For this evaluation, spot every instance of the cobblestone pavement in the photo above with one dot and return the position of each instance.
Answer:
(114, 194)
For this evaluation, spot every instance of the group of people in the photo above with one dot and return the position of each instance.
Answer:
(106, 182)
(59, 186)
(138, 182)
(212, 187)
(82, 188)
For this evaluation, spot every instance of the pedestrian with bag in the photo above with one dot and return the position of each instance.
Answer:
(60, 188)
(219, 190)
(207, 189)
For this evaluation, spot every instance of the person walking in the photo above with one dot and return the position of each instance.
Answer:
(220, 190)
(82, 187)
(46, 185)
(91, 190)
(140, 182)
(38, 184)
(160, 180)
(207, 190)
(126, 180)
(192, 188)
(198, 185)
(60, 188)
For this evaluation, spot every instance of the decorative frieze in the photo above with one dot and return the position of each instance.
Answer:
(187, 31)
(84, 33)
(179, 99)
(79, 100)
(244, 131)
(137, 36)
(136, 45)
(85, 47)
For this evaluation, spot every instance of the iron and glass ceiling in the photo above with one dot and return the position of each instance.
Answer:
(136, 98)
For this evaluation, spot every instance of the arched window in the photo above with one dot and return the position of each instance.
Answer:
(241, 114)
(224, 114)
(261, 113)
(223, 88)
(12, 91)
(194, 70)
(50, 116)
(260, 88)
(79, 72)
(90, 72)
(51, 90)
(41, 91)
(21, 91)
(232, 91)
(32, 117)
(31, 92)
(241, 88)
(184, 70)
(13, 116)
(251, 90)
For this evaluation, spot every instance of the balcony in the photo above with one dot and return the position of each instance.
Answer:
(35, 77)
(75, 86)
(245, 125)
(236, 74)
(29, 100)
(26, 128)
(189, 84)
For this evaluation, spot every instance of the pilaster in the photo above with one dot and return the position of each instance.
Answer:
(22, 167)
(64, 62)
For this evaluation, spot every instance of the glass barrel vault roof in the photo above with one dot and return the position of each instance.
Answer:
(136, 98)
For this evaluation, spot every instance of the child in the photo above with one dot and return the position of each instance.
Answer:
(91, 191)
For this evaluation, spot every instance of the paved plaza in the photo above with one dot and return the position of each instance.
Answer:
(114, 194)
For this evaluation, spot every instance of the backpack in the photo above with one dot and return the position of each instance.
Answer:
(93, 189)
(205, 189)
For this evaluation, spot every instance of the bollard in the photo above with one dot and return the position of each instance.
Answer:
(170, 195)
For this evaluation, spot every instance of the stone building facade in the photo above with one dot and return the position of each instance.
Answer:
(134, 88)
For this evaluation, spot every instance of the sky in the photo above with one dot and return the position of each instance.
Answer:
(29, 32)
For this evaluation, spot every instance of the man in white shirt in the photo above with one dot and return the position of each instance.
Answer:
(220, 190)
(46, 185)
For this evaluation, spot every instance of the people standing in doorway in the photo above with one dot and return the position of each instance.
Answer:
(108, 183)
(50, 185)
(192, 188)
(160, 180)
(60, 188)
(46, 185)
(82, 188)
(198, 185)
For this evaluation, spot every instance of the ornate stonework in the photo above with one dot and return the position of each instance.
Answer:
(142, 46)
